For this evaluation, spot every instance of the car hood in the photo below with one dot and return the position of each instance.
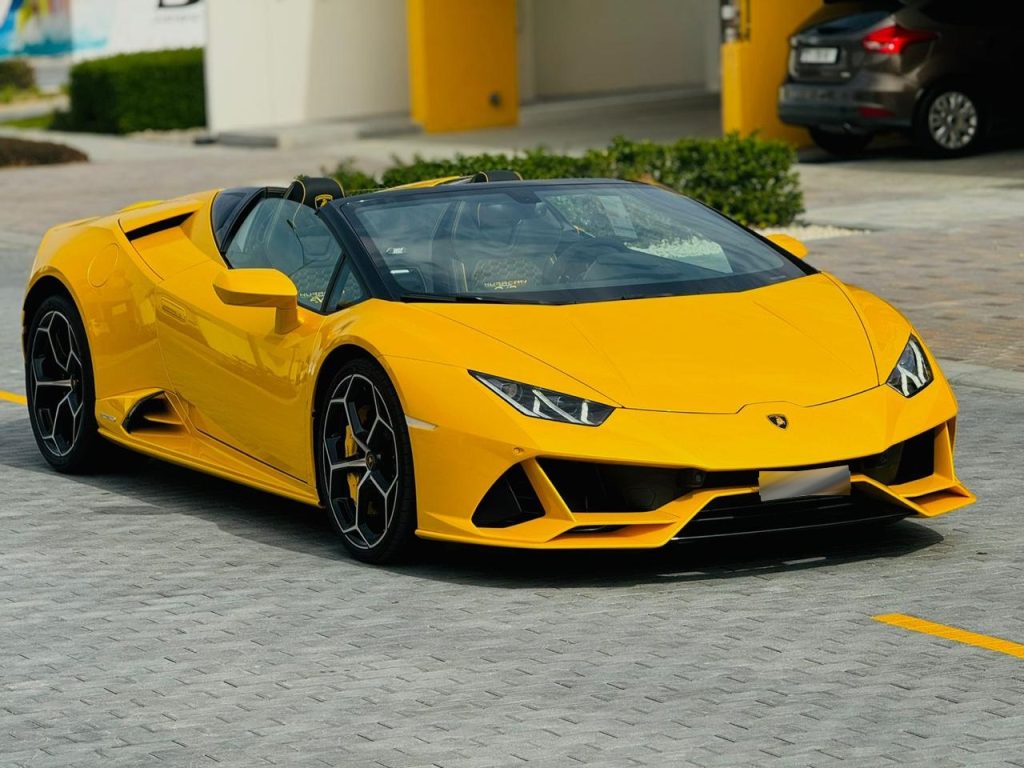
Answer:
(800, 342)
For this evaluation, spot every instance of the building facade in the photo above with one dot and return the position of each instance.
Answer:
(449, 64)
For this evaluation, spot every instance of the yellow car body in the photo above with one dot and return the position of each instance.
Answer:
(228, 384)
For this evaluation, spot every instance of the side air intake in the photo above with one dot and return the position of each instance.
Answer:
(153, 414)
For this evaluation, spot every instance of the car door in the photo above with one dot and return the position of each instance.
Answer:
(246, 385)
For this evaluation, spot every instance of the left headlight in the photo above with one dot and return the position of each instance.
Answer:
(545, 403)
(912, 372)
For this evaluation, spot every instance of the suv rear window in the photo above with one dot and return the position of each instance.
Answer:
(841, 16)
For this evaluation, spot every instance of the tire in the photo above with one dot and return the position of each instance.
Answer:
(61, 389)
(950, 121)
(841, 144)
(364, 464)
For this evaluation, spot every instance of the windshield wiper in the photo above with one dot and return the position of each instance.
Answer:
(463, 298)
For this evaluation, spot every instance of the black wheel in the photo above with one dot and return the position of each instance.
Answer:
(61, 392)
(841, 144)
(364, 464)
(950, 121)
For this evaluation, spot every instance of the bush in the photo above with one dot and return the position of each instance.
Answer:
(18, 152)
(17, 75)
(750, 179)
(159, 90)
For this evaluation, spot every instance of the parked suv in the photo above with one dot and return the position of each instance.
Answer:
(947, 72)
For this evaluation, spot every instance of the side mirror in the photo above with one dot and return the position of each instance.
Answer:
(790, 244)
(261, 288)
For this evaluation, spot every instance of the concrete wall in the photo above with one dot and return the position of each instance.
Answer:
(575, 47)
(281, 62)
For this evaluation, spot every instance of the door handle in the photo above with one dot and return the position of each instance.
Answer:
(173, 310)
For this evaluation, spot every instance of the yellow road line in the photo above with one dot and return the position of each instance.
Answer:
(956, 634)
(13, 398)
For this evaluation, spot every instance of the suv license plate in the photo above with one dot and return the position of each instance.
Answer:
(819, 55)
(826, 481)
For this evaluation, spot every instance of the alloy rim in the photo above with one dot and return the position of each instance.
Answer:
(953, 120)
(57, 386)
(360, 461)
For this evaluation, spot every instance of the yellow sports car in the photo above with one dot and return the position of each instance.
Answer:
(545, 364)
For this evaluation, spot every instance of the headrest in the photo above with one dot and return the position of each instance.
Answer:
(314, 191)
(501, 216)
(483, 176)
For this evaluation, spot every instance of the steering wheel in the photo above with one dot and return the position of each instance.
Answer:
(572, 261)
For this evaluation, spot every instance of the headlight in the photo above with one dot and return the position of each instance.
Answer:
(912, 372)
(544, 403)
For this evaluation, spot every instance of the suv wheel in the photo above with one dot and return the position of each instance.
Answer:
(841, 144)
(949, 122)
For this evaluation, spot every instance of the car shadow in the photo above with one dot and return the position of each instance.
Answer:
(149, 487)
(677, 562)
(899, 148)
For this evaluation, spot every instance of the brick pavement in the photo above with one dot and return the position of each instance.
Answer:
(963, 288)
(153, 616)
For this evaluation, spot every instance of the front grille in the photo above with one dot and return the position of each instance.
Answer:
(747, 514)
(592, 487)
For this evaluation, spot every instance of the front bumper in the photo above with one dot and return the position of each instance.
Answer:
(461, 452)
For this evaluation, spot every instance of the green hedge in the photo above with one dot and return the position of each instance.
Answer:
(161, 90)
(16, 74)
(750, 179)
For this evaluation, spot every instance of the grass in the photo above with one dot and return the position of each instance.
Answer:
(38, 122)
(10, 94)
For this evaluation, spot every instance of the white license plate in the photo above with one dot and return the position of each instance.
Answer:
(826, 481)
(819, 55)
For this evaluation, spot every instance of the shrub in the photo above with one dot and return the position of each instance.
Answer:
(19, 152)
(353, 180)
(158, 90)
(17, 75)
(750, 179)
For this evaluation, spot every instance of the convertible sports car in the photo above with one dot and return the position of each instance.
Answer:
(545, 364)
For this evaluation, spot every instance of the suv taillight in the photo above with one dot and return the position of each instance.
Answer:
(893, 39)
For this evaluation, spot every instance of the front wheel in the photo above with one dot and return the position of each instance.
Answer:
(364, 463)
(949, 122)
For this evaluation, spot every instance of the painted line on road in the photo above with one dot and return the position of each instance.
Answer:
(11, 397)
(955, 634)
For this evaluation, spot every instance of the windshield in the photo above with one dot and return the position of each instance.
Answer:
(558, 243)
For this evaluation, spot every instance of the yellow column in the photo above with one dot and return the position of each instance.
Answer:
(462, 63)
(754, 66)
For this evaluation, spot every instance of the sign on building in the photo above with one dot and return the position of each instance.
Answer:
(90, 28)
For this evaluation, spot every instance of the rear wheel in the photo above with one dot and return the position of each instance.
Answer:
(60, 386)
(364, 464)
(949, 122)
(841, 144)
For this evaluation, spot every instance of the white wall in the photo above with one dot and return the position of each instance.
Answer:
(282, 62)
(575, 47)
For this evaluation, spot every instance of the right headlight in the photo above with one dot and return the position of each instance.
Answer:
(912, 372)
(545, 403)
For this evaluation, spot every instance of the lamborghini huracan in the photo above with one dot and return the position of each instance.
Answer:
(482, 359)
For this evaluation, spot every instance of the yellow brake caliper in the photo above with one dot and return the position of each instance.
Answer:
(350, 450)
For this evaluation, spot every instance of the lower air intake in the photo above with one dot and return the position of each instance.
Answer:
(510, 501)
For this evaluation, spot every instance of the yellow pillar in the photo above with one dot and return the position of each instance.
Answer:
(462, 63)
(754, 66)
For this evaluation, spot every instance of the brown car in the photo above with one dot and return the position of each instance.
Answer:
(946, 72)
